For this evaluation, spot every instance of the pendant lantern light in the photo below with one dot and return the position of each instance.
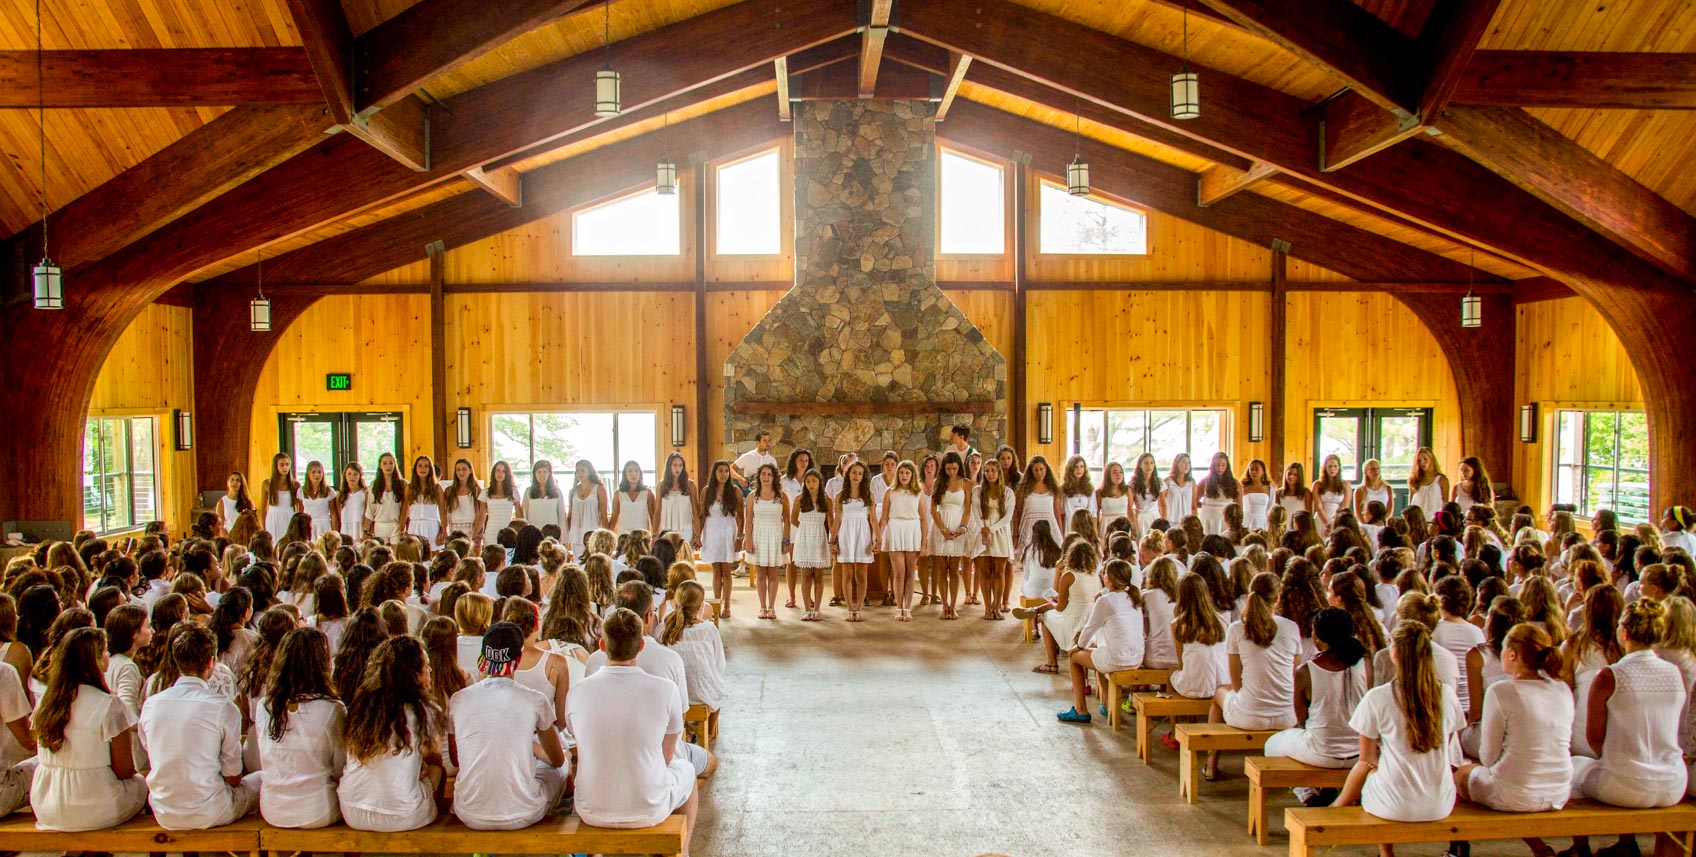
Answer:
(665, 172)
(1471, 306)
(1077, 174)
(1186, 84)
(259, 309)
(606, 80)
(49, 281)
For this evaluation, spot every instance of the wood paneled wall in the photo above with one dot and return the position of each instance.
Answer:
(150, 372)
(1568, 357)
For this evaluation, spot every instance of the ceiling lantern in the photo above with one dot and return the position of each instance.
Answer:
(259, 309)
(47, 280)
(1186, 84)
(606, 80)
(1077, 173)
(665, 172)
(1471, 306)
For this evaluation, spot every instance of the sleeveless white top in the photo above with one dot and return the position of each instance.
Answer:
(1180, 499)
(1334, 697)
(1331, 501)
(1114, 507)
(542, 511)
(501, 512)
(462, 512)
(677, 513)
(1464, 499)
(1293, 504)
(227, 510)
(632, 512)
(1429, 498)
(585, 515)
(1383, 495)
(386, 510)
(1255, 507)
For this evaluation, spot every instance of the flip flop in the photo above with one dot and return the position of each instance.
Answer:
(1050, 669)
(1071, 715)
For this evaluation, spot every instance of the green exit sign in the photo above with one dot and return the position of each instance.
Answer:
(338, 381)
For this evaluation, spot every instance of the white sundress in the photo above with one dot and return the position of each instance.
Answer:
(353, 514)
(677, 514)
(1212, 514)
(718, 536)
(318, 508)
(1381, 494)
(812, 540)
(1255, 507)
(1038, 507)
(543, 511)
(384, 516)
(1429, 498)
(1112, 508)
(424, 520)
(463, 515)
(227, 510)
(501, 512)
(952, 511)
(1080, 598)
(1464, 500)
(277, 514)
(1148, 511)
(1037, 583)
(632, 511)
(1331, 501)
(999, 544)
(904, 533)
(1179, 500)
(1072, 504)
(767, 549)
(585, 517)
(854, 532)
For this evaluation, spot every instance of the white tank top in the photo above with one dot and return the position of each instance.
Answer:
(632, 512)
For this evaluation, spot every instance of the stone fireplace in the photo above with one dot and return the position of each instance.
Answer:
(865, 353)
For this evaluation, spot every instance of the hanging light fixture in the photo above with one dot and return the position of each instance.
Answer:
(49, 280)
(259, 309)
(665, 178)
(1186, 84)
(1077, 175)
(606, 80)
(1471, 306)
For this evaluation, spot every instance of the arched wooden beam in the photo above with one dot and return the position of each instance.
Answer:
(1482, 361)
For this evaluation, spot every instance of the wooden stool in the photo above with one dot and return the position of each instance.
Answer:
(1151, 706)
(1197, 738)
(705, 722)
(1282, 773)
(1030, 624)
(1109, 685)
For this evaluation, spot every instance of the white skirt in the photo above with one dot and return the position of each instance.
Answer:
(902, 535)
(854, 535)
(812, 542)
(767, 550)
(718, 539)
(1212, 514)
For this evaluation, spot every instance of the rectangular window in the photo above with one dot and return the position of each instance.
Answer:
(1602, 462)
(973, 206)
(750, 207)
(1112, 434)
(642, 224)
(606, 439)
(119, 480)
(1089, 225)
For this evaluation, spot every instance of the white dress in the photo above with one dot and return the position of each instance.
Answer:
(1458, 638)
(1180, 499)
(424, 520)
(1429, 498)
(1640, 764)
(1148, 511)
(501, 512)
(585, 517)
(632, 512)
(952, 511)
(1293, 504)
(1065, 624)
(1073, 503)
(543, 511)
(1212, 514)
(812, 540)
(1463, 499)
(227, 510)
(278, 513)
(1113, 508)
(1038, 583)
(1584, 672)
(462, 515)
(718, 536)
(1525, 766)
(353, 514)
(854, 532)
(1331, 501)
(74, 787)
(1203, 670)
(1038, 507)
(1381, 494)
(319, 509)
(1406, 786)
(384, 516)
(1266, 699)
(677, 514)
(767, 549)
(904, 533)
(1255, 507)
(1327, 741)
(999, 544)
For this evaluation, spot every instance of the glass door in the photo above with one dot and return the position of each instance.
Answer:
(339, 439)
(1391, 435)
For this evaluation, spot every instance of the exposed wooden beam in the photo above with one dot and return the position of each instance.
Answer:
(1277, 355)
(780, 67)
(504, 184)
(1572, 79)
(1446, 50)
(147, 77)
(842, 80)
(1219, 182)
(1195, 7)
(871, 44)
(329, 47)
(439, 351)
(1538, 289)
(401, 131)
(828, 53)
(1351, 127)
(958, 63)
(1372, 57)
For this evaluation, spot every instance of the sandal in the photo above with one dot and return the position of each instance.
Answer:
(1071, 715)
(1050, 669)
(790, 604)
(1167, 741)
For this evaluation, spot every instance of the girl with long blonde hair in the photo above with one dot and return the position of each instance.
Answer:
(282, 495)
(992, 513)
(903, 531)
(1372, 488)
(1427, 487)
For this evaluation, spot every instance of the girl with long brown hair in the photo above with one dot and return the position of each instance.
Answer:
(766, 532)
(393, 739)
(1038, 500)
(440, 636)
(544, 504)
(720, 533)
(853, 537)
(794, 469)
(365, 631)
(1218, 489)
(1146, 486)
(1474, 487)
(282, 495)
(347, 507)
(1177, 492)
(422, 513)
(1076, 488)
(1113, 498)
(1294, 494)
(466, 511)
(388, 500)
(1062, 617)
(634, 506)
(1330, 492)
(1112, 639)
(992, 513)
(570, 618)
(1256, 494)
(85, 777)
(298, 726)
(1262, 649)
(501, 500)
(588, 498)
(1427, 487)
(234, 502)
(1524, 766)
(1404, 725)
(811, 520)
(678, 512)
(903, 531)
(315, 496)
(950, 510)
(930, 469)
(1348, 592)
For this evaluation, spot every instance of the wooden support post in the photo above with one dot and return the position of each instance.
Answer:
(1279, 324)
(439, 353)
(703, 372)
(1016, 366)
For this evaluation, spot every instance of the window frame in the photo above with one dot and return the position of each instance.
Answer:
(1033, 231)
(785, 202)
(563, 473)
(1008, 176)
(1229, 412)
(1582, 487)
(157, 455)
(684, 249)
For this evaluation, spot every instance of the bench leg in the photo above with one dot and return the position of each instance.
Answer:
(1257, 812)
(1674, 844)
(1145, 735)
(1113, 716)
(1298, 842)
(1189, 774)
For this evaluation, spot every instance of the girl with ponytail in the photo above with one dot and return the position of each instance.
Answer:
(1327, 690)
(1261, 649)
(1524, 765)
(1404, 726)
(697, 642)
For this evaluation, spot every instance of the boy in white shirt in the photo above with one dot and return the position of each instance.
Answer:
(192, 736)
(501, 784)
(628, 725)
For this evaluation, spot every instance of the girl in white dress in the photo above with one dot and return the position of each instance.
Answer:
(677, 499)
(282, 496)
(1329, 492)
(1256, 495)
(394, 742)
(544, 503)
(388, 495)
(1076, 490)
(500, 499)
(721, 531)
(992, 514)
(1474, 487)
(1112, 639)
(1328, 688)
(1372, 488)
(85, 776)
(854, 538)
(799, 462)
(930, 467)
(1062, 618)
(298, 728)
(234, 502)
(315, 496)
(974, 543)
(1177, 493)
(767, 536)
(588, 506)
(1197, 634)
(1218, 490)
(421, 514)
(1039, 500)
(635, 507)
(1524, 764)
(949, 512)
(1146, 486)
(1427, 487)
(904, 531)
(467, 513)
(1295, 495)
(1262, 649)
(1113, 499)
(347, 508)
(1159, 603)
(811, 521)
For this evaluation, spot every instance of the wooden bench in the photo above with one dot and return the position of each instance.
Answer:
(1280, 772)
(1030, 624)
(447, 835)
(705, 722)
(1109, 684)
(1197, 738)
(142, 833)
(1326, 827)
(1153, 706)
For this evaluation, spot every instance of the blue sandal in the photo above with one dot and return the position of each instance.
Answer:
(1071, 715)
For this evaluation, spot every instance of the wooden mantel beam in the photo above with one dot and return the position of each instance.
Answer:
(168, 77)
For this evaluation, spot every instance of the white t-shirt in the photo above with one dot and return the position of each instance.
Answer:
(193, 739)
(702, 651)
(656, 660)
(749, 463)
(389, 784)
(302, 769)
(1267, 698)
(1406, 786)
(1523, 742)
(1114, 630)
(1458, 638)
(495, 722)
(1162, 651)
(621, 717)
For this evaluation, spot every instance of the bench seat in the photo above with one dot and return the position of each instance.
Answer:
(448, 835)
(1153, 706)
(142, 833)
(1282, 772)
(1197, 738)
(1111, 684)
(1323, 827)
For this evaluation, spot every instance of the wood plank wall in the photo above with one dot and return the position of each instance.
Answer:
(150, 372)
